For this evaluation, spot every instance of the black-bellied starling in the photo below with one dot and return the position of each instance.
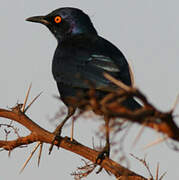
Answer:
(81, 54)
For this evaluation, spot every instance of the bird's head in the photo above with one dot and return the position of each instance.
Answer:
(64, 22)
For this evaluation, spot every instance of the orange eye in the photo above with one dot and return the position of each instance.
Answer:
(57, 19)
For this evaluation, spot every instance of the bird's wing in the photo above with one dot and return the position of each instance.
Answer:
(81, 66)
(104, 63)
(84, 67)
(95, 68)
(88, 74)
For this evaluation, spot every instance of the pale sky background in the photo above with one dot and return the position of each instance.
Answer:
(145, 31)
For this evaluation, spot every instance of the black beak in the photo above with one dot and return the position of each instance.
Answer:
(38, 19)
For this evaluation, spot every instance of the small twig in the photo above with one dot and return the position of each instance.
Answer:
(32, 101)
(28, 159)
(40, 153)
(143, 161)
(9, 153)
(159, 140)
(157, 172)
(72, 129)
(138, 136)
(175, 103)
(131, 74)
(12, 127)
(84, 171)
(7, 133)
(162, 176)
(93, 143)
(27, 96)
(117, 82)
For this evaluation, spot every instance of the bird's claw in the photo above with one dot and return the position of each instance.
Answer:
(103, 154)
(57, 138)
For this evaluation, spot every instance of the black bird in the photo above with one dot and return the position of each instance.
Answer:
(81, 54)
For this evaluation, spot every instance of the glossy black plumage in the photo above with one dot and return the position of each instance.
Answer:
(87, 57)
(81, 55)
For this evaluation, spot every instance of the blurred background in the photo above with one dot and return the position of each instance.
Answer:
(145, 31)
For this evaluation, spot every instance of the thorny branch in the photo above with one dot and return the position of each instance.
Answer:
(110, 105)
(148, 115)
(42, 135)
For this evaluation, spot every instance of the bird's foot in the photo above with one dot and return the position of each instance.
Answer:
(57, 137)
(102, 155)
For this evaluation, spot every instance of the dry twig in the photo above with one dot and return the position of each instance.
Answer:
(42, 135)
